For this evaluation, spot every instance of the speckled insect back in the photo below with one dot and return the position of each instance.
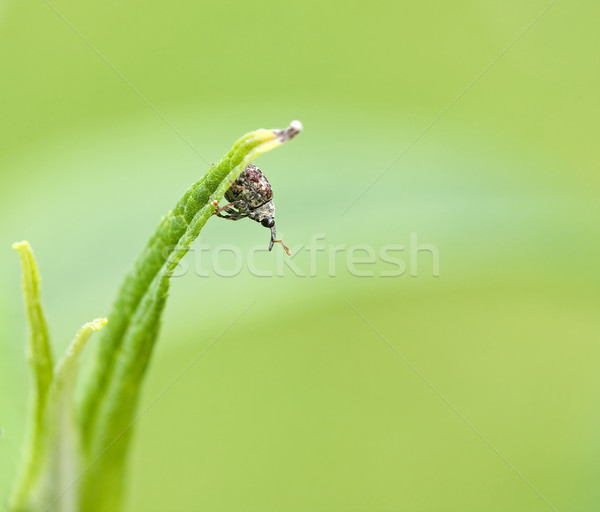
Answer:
(251, 196)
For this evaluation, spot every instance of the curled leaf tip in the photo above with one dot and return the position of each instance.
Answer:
(290, 132)
(98, 323)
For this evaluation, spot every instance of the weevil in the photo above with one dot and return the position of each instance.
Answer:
(251, 196)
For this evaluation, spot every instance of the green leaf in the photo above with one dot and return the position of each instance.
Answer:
(52, 456)
(110, 396)
(40, 361)
(63, 460)
(60, 452)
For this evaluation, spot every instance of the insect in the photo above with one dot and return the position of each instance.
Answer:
(251, 196)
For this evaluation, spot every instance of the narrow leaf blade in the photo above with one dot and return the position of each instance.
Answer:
(40, 361)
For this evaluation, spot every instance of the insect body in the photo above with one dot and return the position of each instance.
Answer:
(251, 196)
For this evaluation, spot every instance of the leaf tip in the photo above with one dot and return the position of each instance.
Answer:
(98, 323)
(21, 246)
(290, 132)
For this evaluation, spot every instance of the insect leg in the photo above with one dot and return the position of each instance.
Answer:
(234, 216)
(232, 209)
(227, 208)
(219, 209)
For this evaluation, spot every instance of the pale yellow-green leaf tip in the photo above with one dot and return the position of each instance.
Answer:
(18, 246)
(98, 323)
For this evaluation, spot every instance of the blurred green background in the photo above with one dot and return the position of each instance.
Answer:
(301, 404)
